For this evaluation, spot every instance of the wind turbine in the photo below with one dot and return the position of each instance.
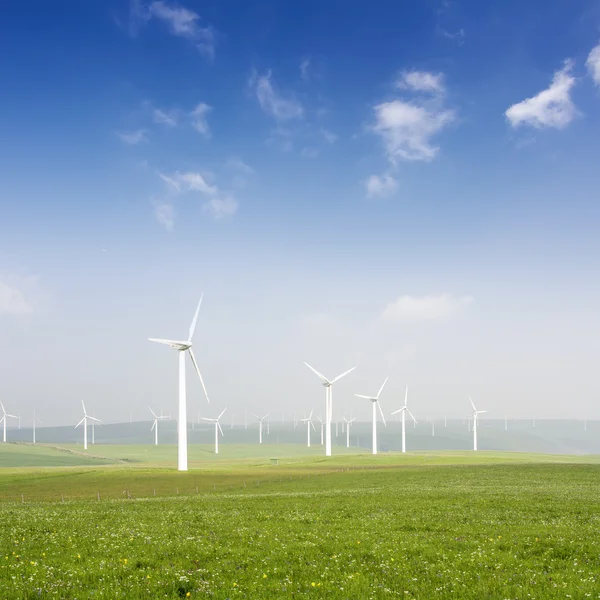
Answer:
(328, 403)
(322, 428)
(404, 410)
(348, 421)
(217, 428)
(181, 347)
(475, 413)
(309, 424)
(375, 401)
(85, 419)
(155, 424)
(33, 422)
(260, 422)
(3, 420)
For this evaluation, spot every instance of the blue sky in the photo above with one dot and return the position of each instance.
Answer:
(410, 187)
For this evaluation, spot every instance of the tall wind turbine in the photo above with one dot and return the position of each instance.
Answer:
(322, 428)
(155, 424)
(328, 402)
(375, 401)
(33, 422)
(475, 413)
(3, 420)
(404, 410)
(217, 428)
(85, 420)
(348, 421)
(182, 347)
(260, 422)
(309, 424)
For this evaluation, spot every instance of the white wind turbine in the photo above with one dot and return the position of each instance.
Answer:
(348, 421)
(309, 424)
(375, 401)
(3, 420)
(33, 422)
(260, 423)
(328, 403)
(155, 424)
(85, 420)
(217, 428)
(322, 428)
(475, 413)
(182, 347)
(404, 410)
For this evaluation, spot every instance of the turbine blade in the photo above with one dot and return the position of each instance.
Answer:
(265, 416)
(208, 419)
(153, 425)
(481, 411)
(408, 411)
(153, 413)
(471, 401)
(313, 425)
(256, 416)
(366, 397)
(382, 386)
(343, 375)
(321, 377)
(219, 426)
(173, 343)
(406, 397)
(381, 413)
(397, 411)
(198, 371)
(76, 426)
(3, 409)
(82, 404)
(195, 319)
(222, 413)
(94, 419)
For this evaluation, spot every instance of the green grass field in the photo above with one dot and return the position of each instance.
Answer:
(424, 525)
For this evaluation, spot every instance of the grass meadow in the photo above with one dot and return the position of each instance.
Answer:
(424, 525)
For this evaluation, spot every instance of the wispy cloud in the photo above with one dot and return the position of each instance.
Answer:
(425, 308)
(457, 36)
(329, 136)
(552, 107)
(199, 122)
(408, 126)
(239, 165)
(165, 118)
(593, 64)
(13, 300)
(218, 204)
(133, 137)
(181, 22)
(305, 69)
(380, 186)
(276, 105)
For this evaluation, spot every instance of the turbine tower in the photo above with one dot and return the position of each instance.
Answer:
(33, 422)
(475, 413)
(260, 422)
(404, 410)
(309, 424)
(348, 421)
(217, 428)
(3, 420)
(328, 403)
(155, 424)
(375, 402)
(182, 347)
(85, 420)
(322, 428)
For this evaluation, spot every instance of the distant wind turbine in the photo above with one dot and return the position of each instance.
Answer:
(348, 421)
(309, 424)
(375, 401)
(322, 428)
(217, 428)
(155, 424)
(404, 410)
(260, 425)
(328, 402)
(5, 417)
(475, 413)
(33, 422)
(85, 420)
(182, 347)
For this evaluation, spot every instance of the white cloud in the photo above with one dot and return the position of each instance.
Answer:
(425, 308)
(380, 186)
(458, 36)
(552, 107)
(272, 103)
(189, 182)
(329, 136)
(407, 128)
(593, 64)
(199, 122)
(221, 207)
(305, 69)
(183, 22)
(12, 299)
(164, 118)
(165, 214)
(421, 81)
(309, 152)
(133, 137)
(239, 165)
